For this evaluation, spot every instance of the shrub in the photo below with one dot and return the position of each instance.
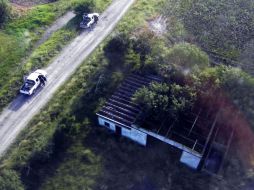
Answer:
(9, 180)
(4, 11)
(85, 7)
(188, 57)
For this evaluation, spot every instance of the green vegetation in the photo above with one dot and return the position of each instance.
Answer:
(188, 57)
(81, 165)
(44, 53)
(4, 11)
(238, 86)
(137, 16)
(218, 26)
(9, 180)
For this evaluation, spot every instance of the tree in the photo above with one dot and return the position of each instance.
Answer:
(154, 97)
(85, 7)
(116, 49)
(187, 58)
(9, 180)
(161, 100)
(4, 11)
(132, 60)
(182, 98)
(233, 82)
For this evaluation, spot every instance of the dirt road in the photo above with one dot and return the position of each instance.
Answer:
(16, 116)
(58, 24)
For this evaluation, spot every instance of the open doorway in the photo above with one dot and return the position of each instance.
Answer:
(118, 130)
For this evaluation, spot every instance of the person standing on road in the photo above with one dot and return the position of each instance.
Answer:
(42, 80)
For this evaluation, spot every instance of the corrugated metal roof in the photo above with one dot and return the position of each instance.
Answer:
(119, 107)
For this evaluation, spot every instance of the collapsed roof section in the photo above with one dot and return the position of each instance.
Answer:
(120, 107)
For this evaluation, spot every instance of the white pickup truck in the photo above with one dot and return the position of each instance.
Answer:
(33, 81)
(89, 20)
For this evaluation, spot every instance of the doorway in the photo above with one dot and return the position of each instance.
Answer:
(118, 130)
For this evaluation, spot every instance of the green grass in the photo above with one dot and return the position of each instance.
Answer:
(81, 165)
(137, 16)
(44, 53)
(39, 16)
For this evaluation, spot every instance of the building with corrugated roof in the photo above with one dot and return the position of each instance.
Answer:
(194, 135)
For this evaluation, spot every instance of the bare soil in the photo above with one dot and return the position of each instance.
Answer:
(158, 25)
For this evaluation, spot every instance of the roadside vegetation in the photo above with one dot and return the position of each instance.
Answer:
(63, 148)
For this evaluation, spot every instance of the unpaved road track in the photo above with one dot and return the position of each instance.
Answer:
(16, 116)
(58, 24)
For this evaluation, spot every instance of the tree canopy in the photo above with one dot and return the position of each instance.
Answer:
(4, 11)
(160, 100)
(187, 57)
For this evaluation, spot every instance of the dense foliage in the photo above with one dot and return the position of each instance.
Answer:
(224, 28)
(188, 57)
(217, 24)
(162, 100)
(4, 11)
(9, 180)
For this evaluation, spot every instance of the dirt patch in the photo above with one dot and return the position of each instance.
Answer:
(27, 3)
(19, 10)
(158, 25)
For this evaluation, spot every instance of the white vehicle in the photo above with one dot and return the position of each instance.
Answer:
(33, 81)
(89, 20)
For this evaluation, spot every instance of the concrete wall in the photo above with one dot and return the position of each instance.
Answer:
(102, 123)
(131, 133)
(135, 135)
(190, 160)
(171, 142)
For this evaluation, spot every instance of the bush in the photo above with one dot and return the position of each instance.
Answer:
(4, 11)
(164, 100)
(188, 57)
(85, 7)
(9, 180)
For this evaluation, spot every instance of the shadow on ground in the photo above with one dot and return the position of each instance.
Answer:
(22, 99)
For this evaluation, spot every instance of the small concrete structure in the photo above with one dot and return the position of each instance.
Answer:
(192, 135)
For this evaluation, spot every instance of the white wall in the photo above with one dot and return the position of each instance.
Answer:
(102, 123)
(135, 135)
(171, 142)
(131, 133)
(190, 160)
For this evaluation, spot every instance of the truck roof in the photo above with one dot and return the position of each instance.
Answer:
(34, 75)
